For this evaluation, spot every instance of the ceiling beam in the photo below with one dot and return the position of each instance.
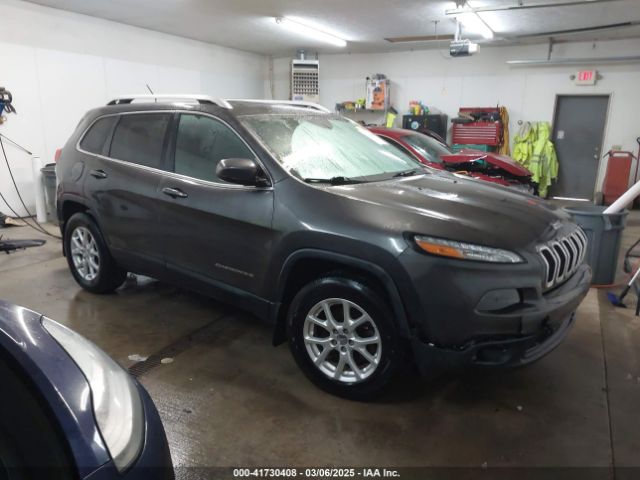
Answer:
(523, 6)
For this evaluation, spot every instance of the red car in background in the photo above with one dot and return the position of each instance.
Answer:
(434, 152)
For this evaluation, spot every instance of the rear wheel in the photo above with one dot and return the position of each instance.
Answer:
(342, 336)
(88, 257)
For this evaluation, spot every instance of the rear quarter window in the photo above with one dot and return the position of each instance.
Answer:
(139, 138)
(94, 139)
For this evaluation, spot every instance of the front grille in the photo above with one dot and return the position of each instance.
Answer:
(562, 256)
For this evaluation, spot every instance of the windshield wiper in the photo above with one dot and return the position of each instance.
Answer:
(406, 173)
(333, 180)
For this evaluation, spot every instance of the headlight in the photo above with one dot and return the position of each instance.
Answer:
(116, 402)
(465, 251)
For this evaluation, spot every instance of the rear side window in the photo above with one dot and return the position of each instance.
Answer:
(139, 138)
(201, 143)
(93, 141)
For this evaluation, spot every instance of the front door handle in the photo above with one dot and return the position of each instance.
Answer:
(99, 174)
(174, 192)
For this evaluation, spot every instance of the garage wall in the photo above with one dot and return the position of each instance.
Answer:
(59, 64)
(484, 80)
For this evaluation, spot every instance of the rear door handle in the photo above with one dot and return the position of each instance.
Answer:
(99, 174)
(174, 192)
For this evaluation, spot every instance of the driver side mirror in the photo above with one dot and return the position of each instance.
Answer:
(241, 171)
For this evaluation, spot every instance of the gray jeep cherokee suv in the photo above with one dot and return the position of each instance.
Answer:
(360, 257)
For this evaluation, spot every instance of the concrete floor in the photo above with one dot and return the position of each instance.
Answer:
(230, 399)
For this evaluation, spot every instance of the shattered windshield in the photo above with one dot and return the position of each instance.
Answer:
(329, 148)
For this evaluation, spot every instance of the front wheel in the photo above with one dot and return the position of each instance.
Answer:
(89, 258)
(343, 338)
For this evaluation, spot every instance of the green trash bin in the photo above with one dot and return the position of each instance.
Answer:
(604, 234)
(49, 180)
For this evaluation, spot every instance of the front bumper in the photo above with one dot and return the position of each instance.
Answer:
(513, 336)
(514, 352)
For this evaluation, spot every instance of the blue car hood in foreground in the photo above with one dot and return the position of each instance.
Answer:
(52, 371)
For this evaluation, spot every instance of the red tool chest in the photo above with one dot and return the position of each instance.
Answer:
(616, 180)
(479, 133)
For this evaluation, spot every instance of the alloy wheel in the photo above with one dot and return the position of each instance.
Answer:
(85, 254)
(342, 340)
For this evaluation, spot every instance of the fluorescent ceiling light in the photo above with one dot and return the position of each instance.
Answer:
(473, 22)
(575, 61)
(302, 28)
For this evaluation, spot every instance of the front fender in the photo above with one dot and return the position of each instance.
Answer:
(381, 274)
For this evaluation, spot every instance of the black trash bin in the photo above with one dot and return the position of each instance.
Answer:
(49, 181)
(604, 234)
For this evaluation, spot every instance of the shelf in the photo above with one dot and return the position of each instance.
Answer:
(361, 110)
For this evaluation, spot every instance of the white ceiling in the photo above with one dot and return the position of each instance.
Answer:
(250, 25)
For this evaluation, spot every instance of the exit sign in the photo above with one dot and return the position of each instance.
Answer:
(586, 77)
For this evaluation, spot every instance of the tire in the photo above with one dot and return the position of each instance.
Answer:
(88, 257)
(334, 371)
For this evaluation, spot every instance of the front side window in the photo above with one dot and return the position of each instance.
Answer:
(93, 141)
(324, 147)
(139, 138)
(201, 143)
(428, 147)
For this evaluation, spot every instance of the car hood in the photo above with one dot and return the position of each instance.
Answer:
(501, 161)
(50, 369)
(455, 207)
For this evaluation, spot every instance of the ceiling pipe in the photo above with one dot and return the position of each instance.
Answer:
(572, 31)
(573, 61)
(458, 11)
